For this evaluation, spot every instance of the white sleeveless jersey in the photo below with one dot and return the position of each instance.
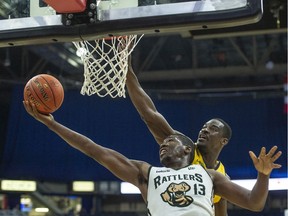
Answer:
(188, 191)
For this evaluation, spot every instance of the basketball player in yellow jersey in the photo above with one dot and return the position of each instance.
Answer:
(219, 167)
(213, 136)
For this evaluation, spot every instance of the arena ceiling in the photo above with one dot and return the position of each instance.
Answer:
(250, 59)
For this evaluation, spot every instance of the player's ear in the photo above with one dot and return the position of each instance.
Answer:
(188, 149)
(224, 141)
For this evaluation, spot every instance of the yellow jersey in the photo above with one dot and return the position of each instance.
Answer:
(198, 159)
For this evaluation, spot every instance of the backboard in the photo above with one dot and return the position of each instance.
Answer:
(34, 22)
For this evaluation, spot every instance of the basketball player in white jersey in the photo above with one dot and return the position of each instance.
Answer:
(178, 188)
(213, 136)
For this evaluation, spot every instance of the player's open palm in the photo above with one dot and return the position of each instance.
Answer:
(31, 109)
(264, 163)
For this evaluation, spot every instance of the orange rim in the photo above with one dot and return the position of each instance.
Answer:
(112, 37)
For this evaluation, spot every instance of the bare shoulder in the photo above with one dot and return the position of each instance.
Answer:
(143, 167)
(140, 163)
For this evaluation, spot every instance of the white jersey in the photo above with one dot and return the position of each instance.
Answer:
(188, 191)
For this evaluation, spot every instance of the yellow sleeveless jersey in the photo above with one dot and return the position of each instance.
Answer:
(198, 159)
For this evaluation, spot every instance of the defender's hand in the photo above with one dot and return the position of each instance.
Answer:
(264, 163)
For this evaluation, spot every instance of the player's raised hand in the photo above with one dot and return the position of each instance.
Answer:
(264, 163)
(32, 110)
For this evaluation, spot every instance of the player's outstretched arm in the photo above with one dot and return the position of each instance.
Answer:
(119, 165)
(155, 121)
(255, 199)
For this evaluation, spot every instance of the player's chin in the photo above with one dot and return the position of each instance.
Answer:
(161, 158)
(164, 160)
(201, 142)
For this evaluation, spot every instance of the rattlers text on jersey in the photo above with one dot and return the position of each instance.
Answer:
(183, 192)
(198, 159)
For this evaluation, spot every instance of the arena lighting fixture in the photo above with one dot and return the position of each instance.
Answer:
(41, 210)
(83, 186)
(274, 184)
(18, 185)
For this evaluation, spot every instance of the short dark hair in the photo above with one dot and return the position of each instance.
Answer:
(227, 131)
(185, 140)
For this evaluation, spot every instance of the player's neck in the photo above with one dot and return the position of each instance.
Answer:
(176, 164)
(209, 157)
(209, 162)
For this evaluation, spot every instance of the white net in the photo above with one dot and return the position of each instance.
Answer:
(106, 64)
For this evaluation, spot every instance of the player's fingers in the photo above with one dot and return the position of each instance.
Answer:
(277, 166)
(276, 156)
(34, 109)
(27, 106)
(33, 106)
(262, 152)
(24, 104)
(272, 151)
(253, 157)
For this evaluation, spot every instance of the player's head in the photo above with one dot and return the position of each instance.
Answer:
(227, 131)
(215, 134)
(176, 148)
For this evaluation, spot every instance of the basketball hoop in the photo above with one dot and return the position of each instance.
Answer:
(106, 64)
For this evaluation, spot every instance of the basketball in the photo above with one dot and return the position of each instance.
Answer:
(46, 92)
